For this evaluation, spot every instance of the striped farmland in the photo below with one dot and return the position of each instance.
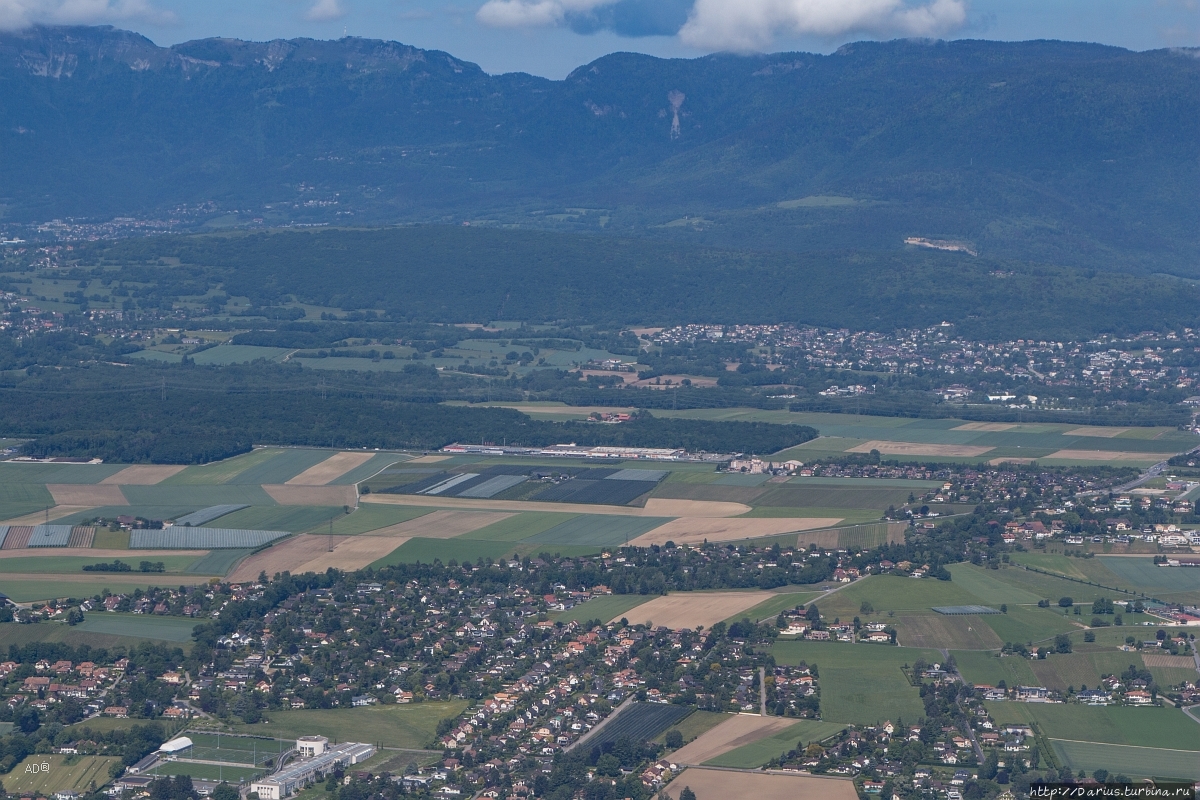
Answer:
(18, 537)
(177, 538)
(82, 536)
(50, 536)
(3, 535)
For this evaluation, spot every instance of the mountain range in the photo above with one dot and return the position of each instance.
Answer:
(1044, 152)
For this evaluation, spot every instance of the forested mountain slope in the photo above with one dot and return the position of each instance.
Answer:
(1049, 152)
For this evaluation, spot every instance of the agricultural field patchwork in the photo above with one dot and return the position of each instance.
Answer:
(794, 737)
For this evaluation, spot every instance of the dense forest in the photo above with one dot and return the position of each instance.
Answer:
(215, 419)
(455, 274)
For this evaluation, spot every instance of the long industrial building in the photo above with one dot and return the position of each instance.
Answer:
(322, 759)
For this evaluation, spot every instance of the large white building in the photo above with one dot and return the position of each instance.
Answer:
(317, 759)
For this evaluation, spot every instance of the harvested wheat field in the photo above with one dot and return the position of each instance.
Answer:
(939, 632)
(734, 732)
(994, 427)
(70, 494)
(311, 495)
(355, 553)
(1104, 455)
(442, 524)
(662, 507)
(288, 555)
(330, 469)
(824, 538)
(428, 460)
(40, 517)
(144, 474)
(1168, 662)
(720, 784)
(690, 609)
(693, 530)
(918, 449)
(1098, 431)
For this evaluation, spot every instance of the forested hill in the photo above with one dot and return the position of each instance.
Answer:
(1048, 152)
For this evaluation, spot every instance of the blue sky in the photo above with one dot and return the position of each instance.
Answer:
(552, 37)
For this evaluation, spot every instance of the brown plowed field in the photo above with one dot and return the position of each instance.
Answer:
(720, 784)
(330, 469)
(356, 553)
(144, 474)
(1097, 431)
(287, 495)
(826, 538)
(288, 555)
(82, 536)
(100, 494)
(689, 530)
(734, 732)
(18, 537)
(918, 449)
(689, 609)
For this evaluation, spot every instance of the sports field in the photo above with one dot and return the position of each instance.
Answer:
(860, 684)
(406, 726)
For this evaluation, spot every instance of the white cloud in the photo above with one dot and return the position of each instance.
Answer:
(533, 13)
(745, 25)
(17, 14)
(325, 11)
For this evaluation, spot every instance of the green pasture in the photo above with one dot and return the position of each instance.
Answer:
(841, 497)
(693, 477)
(600, 530)
(1083, 569)
(66, 774)
(892, 593)
(283, 467)
(709, 491)
(1051, 587)
(770, 609)
(914, 486)
(39, 565)
(1029, 624)
(12, 633)
(139, 626)
(740, 479)
(1141, 727)
(373, 516)
(410, 726)
(990, 587)
(111, 540)
(220, 471)
(197, 496)
(1174, 584)
(520, 526)
(22, 590)
(695, 724)
(797, 737)
(294, 519)
(19, 499)
(860, 684)
(983, 667)
(218, 562)
(1133, 762)
(603, 608)
(14, 472)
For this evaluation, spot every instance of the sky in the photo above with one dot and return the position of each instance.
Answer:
(552, 37)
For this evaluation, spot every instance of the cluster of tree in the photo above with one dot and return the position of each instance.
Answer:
(117, 565)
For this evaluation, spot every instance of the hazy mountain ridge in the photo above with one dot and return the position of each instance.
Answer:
(1041, 151)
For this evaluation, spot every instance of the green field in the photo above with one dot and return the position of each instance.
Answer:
(281, 468)
(111, 540)
(519, 526)
(37, 565)
(25, 591)
(218, 562)
(842, 497)
(1028, 624)
(695, 724)
(373, 516)
(770, 609)
(197, 496)
(1133, 762)
(798, 736)
(427, 550)
(602, 608)
(1142, 727)
(12, 633)
(1173, 584)
(860, 684)
(220, 471)
(990, 587)
(14, 472)
(407, 726)
(19, 499)
(294, 519)
(66, 774)
(142, 626)
(892, 593)
(981, 667)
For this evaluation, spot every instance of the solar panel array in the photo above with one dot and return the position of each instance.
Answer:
(197, 518)
(179, 538)
(50, 536)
